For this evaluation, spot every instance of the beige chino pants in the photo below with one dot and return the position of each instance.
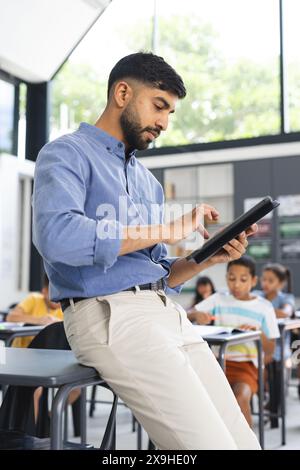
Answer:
(145, 348)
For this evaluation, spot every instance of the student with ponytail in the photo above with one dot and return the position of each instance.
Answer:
(276, 286)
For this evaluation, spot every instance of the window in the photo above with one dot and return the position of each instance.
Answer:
(230, 68)
(292, 37)
(22, 121)
(79, 89)
(7, 101)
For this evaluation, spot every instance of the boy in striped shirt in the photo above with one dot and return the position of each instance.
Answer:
(241, 309)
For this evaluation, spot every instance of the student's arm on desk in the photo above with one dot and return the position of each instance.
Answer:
(285, 312)
(201, 318)
(19, 315)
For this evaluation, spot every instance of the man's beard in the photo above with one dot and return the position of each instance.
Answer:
(133, 131)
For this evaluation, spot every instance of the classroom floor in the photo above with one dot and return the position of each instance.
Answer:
(126, 439)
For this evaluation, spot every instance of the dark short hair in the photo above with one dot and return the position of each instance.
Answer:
(245, 261)
(149, 69)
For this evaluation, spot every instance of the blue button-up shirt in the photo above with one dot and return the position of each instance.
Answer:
(85, 191)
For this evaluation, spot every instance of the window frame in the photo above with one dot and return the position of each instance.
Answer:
(5, 77)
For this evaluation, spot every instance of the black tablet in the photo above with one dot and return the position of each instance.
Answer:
(217, 241)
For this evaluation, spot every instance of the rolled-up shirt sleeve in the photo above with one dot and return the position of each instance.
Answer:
(61, 231)
(167, 262)
(108, 242)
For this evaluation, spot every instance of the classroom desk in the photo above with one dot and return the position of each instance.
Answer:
(9, 333)
(52, 369)
(228, 339)
(284, 325)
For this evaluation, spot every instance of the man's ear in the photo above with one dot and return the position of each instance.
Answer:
(122, 94)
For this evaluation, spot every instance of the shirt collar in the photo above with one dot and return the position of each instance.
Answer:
(111, 143)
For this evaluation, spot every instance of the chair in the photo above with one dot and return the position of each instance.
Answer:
(3, 315)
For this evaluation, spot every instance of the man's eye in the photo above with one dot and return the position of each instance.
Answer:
(157, 107)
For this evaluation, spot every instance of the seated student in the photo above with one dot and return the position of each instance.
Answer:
(240, 309)
(203, 289)
(276, 277)
(36, 309)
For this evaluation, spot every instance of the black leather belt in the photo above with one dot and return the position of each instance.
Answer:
(158, 285)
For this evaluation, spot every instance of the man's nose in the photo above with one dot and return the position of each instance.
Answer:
(162, 122)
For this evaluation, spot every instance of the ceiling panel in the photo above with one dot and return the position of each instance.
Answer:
(36, 36)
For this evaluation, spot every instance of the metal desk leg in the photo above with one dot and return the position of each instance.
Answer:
(66, 424)
(139, 436)
(282, 394)
(260, 391)
(58, 406)
(93, 398)
(133, 420)
(4, 390)
(222, 355)
(83, 415)
(9, 341)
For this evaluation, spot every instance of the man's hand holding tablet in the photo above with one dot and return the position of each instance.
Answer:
(235, 248)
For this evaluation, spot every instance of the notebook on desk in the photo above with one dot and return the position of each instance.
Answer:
(208, 330)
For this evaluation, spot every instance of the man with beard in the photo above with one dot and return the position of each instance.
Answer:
(98, 224)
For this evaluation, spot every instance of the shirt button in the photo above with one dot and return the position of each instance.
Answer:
(108, 148)
(120, 145)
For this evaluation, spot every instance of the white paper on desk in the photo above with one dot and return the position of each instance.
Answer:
(10, 325)
(207, 330)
